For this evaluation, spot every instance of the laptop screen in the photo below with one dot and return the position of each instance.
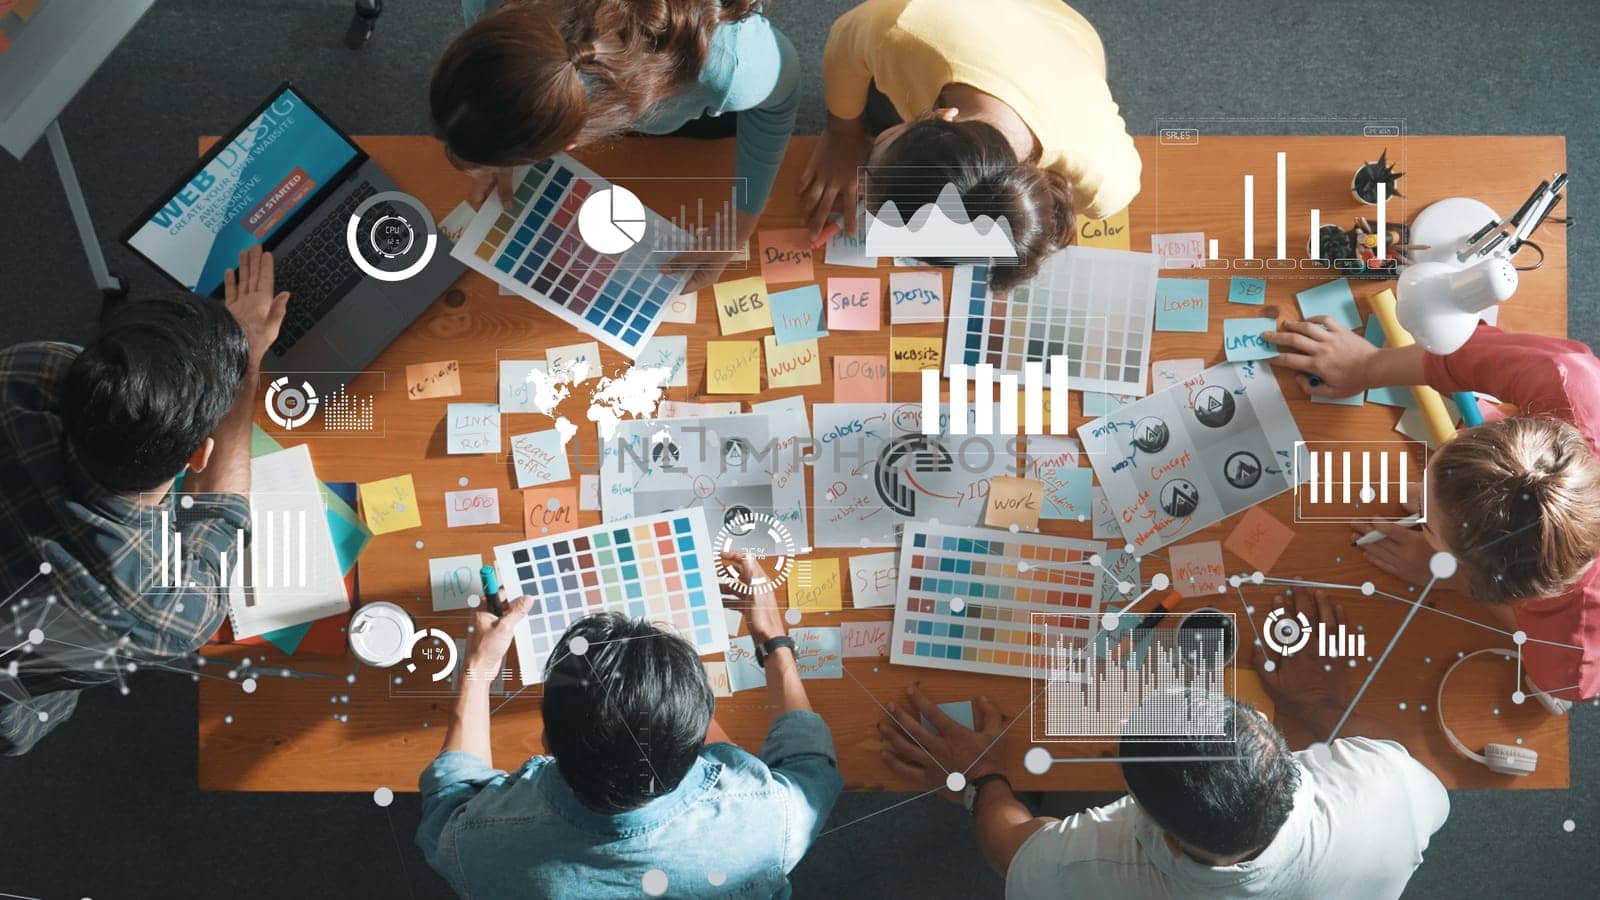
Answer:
(251, 185)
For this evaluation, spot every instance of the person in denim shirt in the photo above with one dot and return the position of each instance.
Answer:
(640, 791)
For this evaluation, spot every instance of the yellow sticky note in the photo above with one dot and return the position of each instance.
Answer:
(814, 585)
(913, 354)
(733, 367)
(1014, 501)
(1111, 232)
(742, 305)
(390, 504)
(792, 365)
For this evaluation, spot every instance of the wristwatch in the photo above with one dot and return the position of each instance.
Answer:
(770, 645)
(969, 797)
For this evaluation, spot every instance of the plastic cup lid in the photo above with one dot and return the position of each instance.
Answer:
(380, 633)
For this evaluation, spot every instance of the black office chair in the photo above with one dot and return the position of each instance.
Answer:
(362, 23)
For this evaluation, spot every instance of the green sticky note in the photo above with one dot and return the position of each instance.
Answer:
(1183, 304)
(1242, 340)
(1333, 300)
(1247, 290)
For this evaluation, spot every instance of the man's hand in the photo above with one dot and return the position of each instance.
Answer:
(928, 757)
(491, 638)
(248, 293)
(1404, 553)
(830, 182)
(497, 181)
(1297, 684)
(1328, 350)
(764, 620)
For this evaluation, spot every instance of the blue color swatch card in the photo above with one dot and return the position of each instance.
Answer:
(1183, 304)
(797, 315)
(1247, 290)
(1333, 300)
(1242, 339)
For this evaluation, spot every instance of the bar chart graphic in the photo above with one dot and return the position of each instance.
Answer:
(277, 553)
(1343, 481)
(975, 407)
(707, 223)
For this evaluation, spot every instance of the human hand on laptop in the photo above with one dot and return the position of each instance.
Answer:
(248, 293)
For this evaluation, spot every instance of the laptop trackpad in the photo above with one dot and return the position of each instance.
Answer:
(355, 327)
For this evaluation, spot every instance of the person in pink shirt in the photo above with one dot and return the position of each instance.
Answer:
(1517, 500)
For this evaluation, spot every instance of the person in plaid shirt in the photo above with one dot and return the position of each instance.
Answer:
(91, 441)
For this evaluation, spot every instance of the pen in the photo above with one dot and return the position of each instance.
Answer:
(491, 589)
(1374, 536)
(828, 232)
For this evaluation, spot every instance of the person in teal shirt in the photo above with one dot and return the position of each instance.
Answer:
(531, 78)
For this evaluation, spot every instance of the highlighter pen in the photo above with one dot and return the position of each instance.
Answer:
(828, 232)
(1374, 536)
(491, 589)
(1467, 402)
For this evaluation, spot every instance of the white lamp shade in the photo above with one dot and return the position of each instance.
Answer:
(1440, 304)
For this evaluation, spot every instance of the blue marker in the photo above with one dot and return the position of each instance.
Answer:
(491, 588)
(1467, 402)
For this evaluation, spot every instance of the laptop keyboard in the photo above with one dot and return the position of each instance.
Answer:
(318, 272)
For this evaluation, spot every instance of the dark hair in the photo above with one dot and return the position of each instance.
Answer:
(977, 159)
(151, 387)
(530, 78)
(1228, 807)
(627, 718)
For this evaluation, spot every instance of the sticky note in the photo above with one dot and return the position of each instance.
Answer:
(539, 458)
(476, 507)
(1352, 400)
(814, 585)
(1388, 395)
(516, 393)
(1112, 232)
(742, 305)
(433, 379)
(1333, 300)
(549, 510)
(683, 309)
(1121, 568)
(733, 367)
(453, 579)
(873, 578)
(1259, 539)
(915, 297)
(1242, 340)
(717, 677)
(472, 428)
(1067, 492)
(1105, 518)
(1014, 501)
(1180, 251)
(732, 619)
(588, 492)
(390, 505)
(913, 354)
(667, 351)
(575, 363)
(1197, 568)
(960, 711)
(797, 315)
(786, 256)
(1096, 404)
(860, 379)
(1183, 304)
(853, 304)
(792, 365)
(819, 652)
(865, 638)
(743, 671)
(1165, 373)
(1247, 290)
(851, 252)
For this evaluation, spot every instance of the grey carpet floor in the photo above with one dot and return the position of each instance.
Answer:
(108, 808)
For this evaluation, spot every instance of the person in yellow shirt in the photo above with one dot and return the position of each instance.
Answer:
(1005, 99)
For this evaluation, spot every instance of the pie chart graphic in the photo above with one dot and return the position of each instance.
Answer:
(612, 220)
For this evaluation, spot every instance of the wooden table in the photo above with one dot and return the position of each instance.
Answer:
(287, 736)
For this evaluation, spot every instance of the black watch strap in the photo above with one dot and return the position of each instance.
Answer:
(770, 645)
(975, 787)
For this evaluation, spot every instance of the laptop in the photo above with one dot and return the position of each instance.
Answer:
(289, 179)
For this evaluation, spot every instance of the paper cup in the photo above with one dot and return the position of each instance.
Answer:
(1198, 631)
(380, 634)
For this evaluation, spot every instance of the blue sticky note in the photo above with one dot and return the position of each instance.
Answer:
(1183, 304)
(1352, 400)
(819, 651)
(1120, 568)
(1247, 290)
(1333, 300)
(797, 315)
(1097, 404)
(1242, 340)
(1068, 491)
(1388, 396)
(960, 710)
(539, 458)
(472, 428)
(744, 672)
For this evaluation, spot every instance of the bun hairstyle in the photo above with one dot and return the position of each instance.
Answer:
(534, 77)
(1521, 498)
(1036, 203)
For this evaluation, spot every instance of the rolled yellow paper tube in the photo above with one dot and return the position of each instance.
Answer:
(1429, 403)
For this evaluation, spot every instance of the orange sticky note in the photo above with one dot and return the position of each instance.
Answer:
(433, 379)
(1197, 568)
(733, 367)
(549, 510)
(1259, 539)
(390, 504)
(742, 305)
(792, 365)
(786, 256)
(860, 379)
(853, 304)
(1014, 501)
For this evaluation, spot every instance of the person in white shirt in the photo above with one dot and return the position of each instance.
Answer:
(1350, 818)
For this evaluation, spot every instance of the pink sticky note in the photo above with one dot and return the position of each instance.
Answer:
(866, 638)
(860, 379)
(1259, 539)
(853, 304)
(1197, 568)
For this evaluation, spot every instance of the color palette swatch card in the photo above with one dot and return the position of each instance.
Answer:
(970, 599)
(533, 248)
(1193, 454)
(661, 568)
(1095, 307)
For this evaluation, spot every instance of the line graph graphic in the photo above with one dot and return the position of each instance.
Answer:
(941, 227)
